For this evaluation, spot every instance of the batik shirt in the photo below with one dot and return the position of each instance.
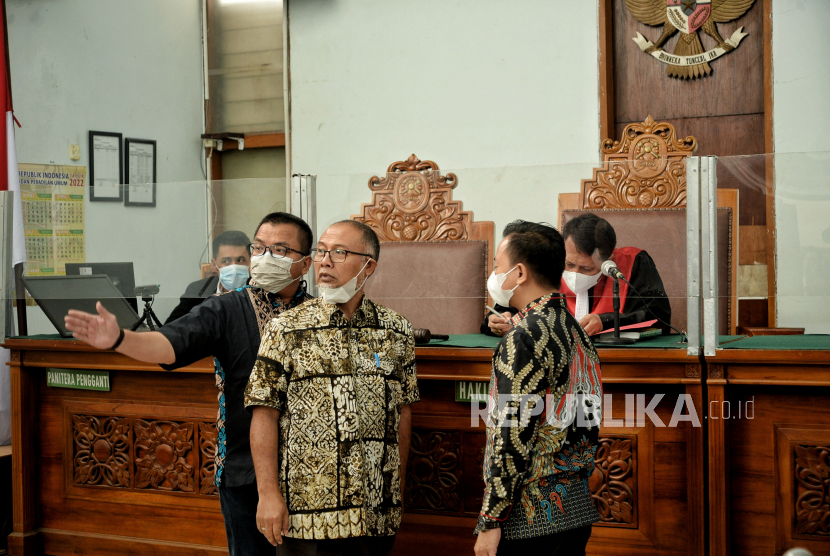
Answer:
(339, 386)
(536, 467)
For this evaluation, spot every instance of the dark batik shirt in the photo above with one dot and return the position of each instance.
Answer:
(536, 471)
(339, 386)
(226, 327)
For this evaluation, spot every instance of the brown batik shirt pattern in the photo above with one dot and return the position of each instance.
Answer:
(339, 386)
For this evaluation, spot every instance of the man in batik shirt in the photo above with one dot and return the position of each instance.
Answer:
(330, 394)
(546, 397)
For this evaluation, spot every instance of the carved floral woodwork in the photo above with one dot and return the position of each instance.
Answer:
(164, 455)
(613, 482)
(207, 445)
(123, 452)
(646, 168)
(812, 490)
(414, 203)
(102, 447)
(433, 472)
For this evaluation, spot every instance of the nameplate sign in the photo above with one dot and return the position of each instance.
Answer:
(469, 391)
(78, 378)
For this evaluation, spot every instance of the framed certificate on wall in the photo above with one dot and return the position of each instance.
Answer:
(141, 173)
(106, 168)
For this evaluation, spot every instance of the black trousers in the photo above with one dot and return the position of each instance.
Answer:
(239, 510)
(353, 546)
(568, 543)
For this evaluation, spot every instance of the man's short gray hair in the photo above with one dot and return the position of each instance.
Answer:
(370, 238)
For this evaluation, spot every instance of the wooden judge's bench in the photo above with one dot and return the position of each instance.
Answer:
(129, 471)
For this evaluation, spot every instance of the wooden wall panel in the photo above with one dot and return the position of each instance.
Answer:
(641, 86)
(146, 512)
(761, 470)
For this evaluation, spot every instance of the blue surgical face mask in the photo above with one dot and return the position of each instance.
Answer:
(233, 276)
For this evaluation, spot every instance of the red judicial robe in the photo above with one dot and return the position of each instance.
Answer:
(603, 290)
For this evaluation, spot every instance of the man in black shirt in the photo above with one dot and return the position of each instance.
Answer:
(227, 327)
(589, 241)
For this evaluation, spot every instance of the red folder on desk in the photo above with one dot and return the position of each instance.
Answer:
(645, 324)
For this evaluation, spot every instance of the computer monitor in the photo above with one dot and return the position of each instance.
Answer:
(56, 295)
(121, 275)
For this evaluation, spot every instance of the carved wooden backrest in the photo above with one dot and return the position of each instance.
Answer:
(646, 168)
(434, 266)
(413, 203)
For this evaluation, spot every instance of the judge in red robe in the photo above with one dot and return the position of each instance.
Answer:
(590, 241)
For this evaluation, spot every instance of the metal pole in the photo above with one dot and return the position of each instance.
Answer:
(304, 205)
(6, 271)
(709, 228)
(693, 328)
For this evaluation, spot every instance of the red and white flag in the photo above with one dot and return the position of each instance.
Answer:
(9, 180)
(9, 177)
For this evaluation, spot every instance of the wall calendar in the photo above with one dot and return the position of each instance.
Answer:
(53, 217)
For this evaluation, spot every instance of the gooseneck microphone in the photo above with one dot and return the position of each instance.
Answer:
(609, 268)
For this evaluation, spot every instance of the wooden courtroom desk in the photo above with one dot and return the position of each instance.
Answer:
(649, 482)
(154, 437)
(769, 446)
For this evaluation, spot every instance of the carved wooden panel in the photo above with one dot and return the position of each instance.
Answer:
(414, 203)
(102, 451)
(433, 472)
(164, 456)
(613, 483)
(812, 490)
(802, 480)
(124, 452)
(646, 168)
(207, 471)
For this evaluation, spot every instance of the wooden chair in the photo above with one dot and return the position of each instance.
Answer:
(640, 189)
(434, 258)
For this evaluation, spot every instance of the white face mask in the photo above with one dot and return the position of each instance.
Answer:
(580, 284)
(344, 293)
(494, 287)
(272, 274)
(233, 276)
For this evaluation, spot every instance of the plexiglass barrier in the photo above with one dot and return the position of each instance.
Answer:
(797, 233)
(168, 247)
(421, 214)
(439, 228)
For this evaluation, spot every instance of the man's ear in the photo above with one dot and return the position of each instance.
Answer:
(370, 267)
(523, 276)
(307, 264)
(213, 264)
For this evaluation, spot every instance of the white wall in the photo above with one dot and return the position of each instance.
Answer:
(128, 67)
(802, 191)
(493, 91)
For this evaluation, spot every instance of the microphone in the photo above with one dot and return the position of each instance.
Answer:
(609, 268)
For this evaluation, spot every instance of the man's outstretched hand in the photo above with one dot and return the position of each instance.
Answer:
(99, 330)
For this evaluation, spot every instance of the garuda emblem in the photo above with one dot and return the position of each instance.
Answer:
(687, 16)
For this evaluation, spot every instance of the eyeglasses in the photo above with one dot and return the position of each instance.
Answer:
(277, 251)
(336, 255)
